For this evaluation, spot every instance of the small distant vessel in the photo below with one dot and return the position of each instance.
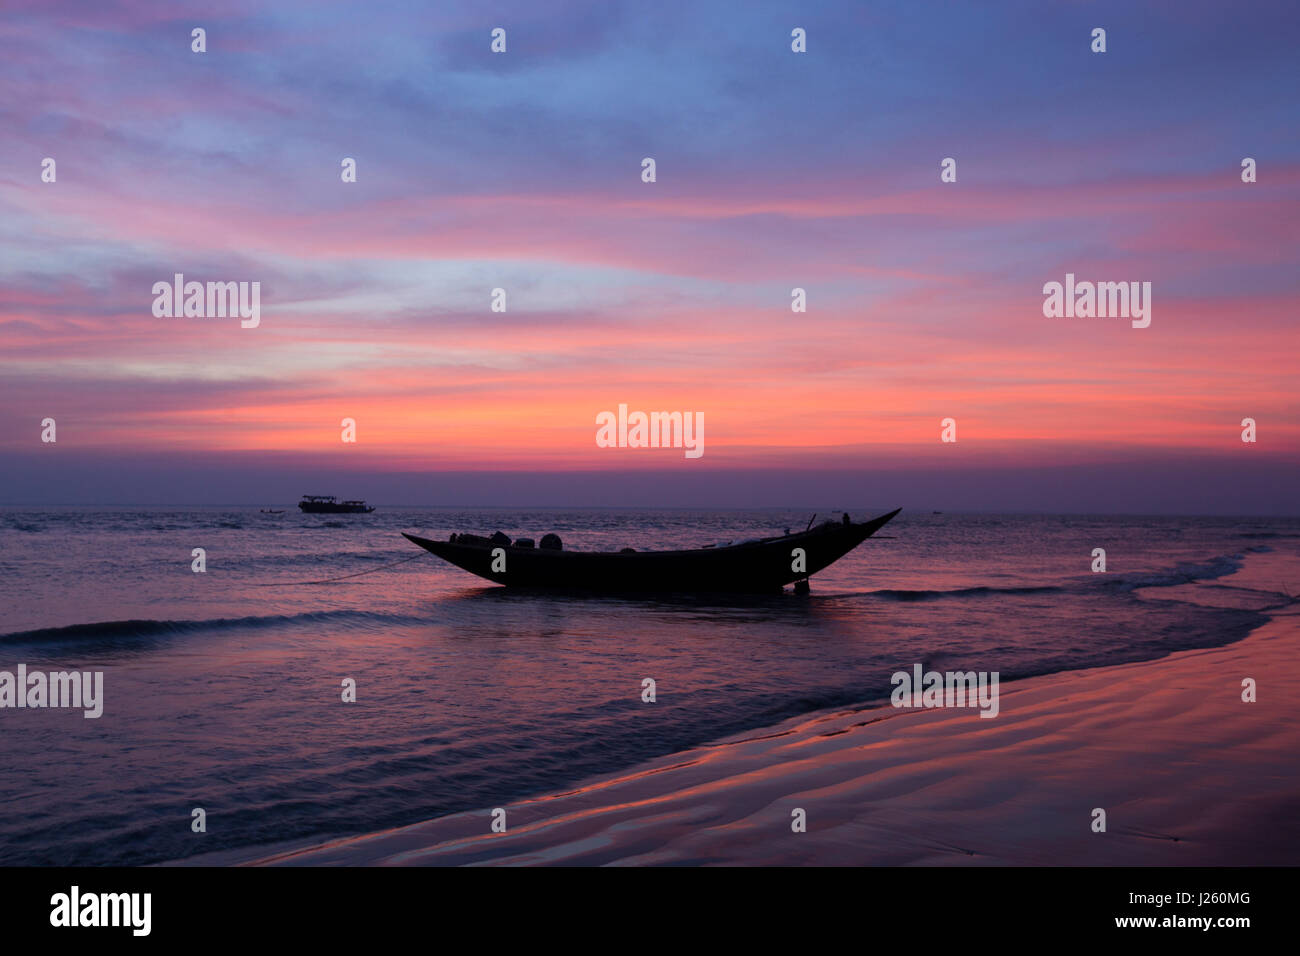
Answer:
(329, 505)
(760, 565)
(271, 511)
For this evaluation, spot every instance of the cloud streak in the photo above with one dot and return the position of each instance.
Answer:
(776, 171)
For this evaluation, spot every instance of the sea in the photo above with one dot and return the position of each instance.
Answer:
(223, 690)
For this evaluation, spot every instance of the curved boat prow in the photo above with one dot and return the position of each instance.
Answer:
(875, 524)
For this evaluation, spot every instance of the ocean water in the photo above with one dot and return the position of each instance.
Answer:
(223, 689)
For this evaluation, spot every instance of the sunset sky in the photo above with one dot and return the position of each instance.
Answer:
(775, 170)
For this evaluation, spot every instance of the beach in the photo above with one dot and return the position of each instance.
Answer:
(225, 690)
(1187, 772)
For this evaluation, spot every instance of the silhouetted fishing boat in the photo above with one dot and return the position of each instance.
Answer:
(762, 564)
(329, 505)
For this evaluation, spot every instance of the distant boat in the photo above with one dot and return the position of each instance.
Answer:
(329, 505)
(760, 565)
(271, 511)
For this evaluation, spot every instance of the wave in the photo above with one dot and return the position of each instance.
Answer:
(896, 594)
(1186, 573)
(18, 525)
(153, 628)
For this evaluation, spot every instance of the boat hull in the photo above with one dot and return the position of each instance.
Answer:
(752, 567)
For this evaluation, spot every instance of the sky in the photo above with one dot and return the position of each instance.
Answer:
(775, 170)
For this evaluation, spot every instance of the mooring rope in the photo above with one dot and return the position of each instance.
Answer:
(341, 577)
